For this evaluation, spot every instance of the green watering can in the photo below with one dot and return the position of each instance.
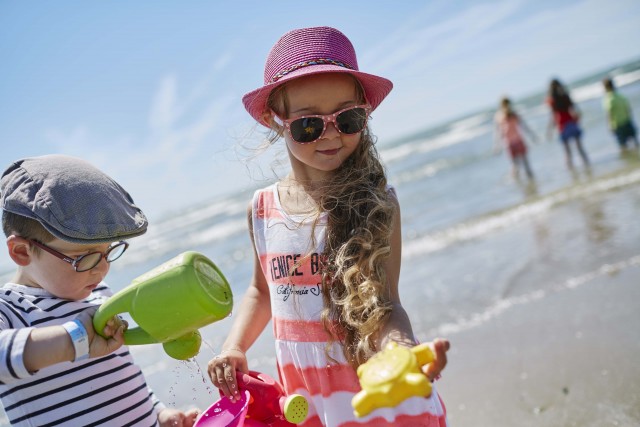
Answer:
(170, 303)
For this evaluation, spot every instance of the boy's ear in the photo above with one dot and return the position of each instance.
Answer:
(19, 250)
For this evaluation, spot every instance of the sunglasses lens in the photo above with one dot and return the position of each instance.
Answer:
(352, 121)
(88, 261)
(306, 129)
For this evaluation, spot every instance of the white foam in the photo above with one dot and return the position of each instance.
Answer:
(456, 135)
(596, 89)
(483, 226)
(503, 305)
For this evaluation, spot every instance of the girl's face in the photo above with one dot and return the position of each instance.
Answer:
(321, 94)
(58, 277)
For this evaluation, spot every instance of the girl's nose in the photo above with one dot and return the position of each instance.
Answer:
(330, 131)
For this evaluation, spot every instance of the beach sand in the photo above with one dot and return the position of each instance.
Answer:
(570, 359)
(566, 354)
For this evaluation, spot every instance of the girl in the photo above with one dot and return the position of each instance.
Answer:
(327, 239)
(508, 125)
(565, 115)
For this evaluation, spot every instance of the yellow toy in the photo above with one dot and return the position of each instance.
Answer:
(391, 376)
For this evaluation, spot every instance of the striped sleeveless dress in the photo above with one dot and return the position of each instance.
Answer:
(291, 268)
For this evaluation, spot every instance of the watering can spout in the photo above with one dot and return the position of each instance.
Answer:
(170, 303)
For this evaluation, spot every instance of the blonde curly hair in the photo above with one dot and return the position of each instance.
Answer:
(360, 211)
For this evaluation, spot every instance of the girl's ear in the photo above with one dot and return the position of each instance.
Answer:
(19, 250)
(268, 118)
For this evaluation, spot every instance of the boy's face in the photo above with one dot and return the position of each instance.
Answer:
(58, 277)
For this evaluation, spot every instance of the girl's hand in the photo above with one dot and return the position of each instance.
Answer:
(113, 330)
(170, 417)
(222, 371)
(439, 347)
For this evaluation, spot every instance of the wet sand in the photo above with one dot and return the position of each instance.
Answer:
(565, 353)
(570, 359)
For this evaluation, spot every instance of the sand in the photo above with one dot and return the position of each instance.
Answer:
(565, 351)
(570, 359)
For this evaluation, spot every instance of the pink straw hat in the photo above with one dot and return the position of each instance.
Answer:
(308, 51)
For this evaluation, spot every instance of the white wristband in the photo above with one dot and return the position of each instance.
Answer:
(79, 337)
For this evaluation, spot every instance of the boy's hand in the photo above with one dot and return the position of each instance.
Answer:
(114, 330)
(170, 417)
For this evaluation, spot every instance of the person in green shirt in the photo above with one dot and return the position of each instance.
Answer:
(619, 116)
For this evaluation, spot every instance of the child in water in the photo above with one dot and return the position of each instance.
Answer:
(508, 133)
(565, 115)
(619, 115)
(327, 239)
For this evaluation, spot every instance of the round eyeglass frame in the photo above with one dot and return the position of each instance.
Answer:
(75, 262)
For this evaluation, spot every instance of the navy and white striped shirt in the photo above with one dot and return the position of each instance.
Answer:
(108, 391)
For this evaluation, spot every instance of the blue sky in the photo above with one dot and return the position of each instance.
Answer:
(149, 91)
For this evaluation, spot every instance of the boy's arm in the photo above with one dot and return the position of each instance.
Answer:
(606, 105)
(49, 345)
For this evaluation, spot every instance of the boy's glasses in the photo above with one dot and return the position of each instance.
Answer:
(307, 129)
(90, 260)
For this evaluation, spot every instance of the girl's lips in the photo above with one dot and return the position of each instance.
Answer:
(329, 152)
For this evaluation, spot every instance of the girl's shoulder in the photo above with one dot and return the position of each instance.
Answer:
(263, 192)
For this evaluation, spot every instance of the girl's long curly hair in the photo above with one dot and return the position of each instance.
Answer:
(360, 212)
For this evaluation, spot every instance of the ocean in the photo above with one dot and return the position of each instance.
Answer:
(476, 242)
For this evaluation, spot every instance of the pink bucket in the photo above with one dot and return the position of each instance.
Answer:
(225, 413)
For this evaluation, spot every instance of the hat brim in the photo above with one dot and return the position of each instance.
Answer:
(376, 88)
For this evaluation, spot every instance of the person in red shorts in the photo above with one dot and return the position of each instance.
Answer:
(508, 134)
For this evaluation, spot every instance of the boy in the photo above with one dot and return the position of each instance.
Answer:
(65, 221)
(618, 115)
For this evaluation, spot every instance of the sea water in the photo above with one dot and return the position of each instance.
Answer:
(455, 195)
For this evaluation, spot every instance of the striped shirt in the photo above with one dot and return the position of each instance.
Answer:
(107, 391)
(291, 268)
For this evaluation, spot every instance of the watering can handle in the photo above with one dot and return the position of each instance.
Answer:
(115, 306)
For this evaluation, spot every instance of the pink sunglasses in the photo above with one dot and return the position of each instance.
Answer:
(308, 129)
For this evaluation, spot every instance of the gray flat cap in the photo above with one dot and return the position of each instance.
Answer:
(72, 199)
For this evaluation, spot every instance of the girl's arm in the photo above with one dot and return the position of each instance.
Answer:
(527, 129)
(497, 135)
(252, 317)
(398, 326)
